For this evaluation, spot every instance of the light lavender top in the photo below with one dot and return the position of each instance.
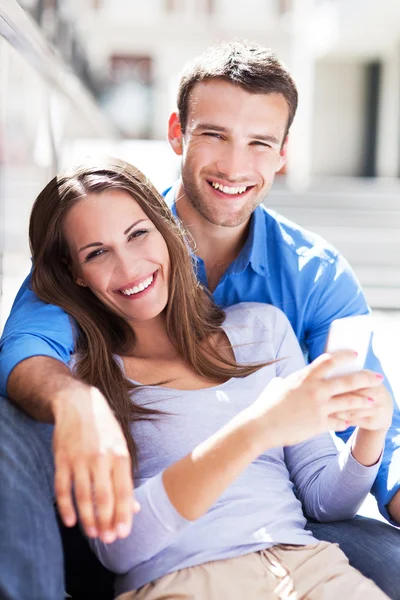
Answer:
(263, 506)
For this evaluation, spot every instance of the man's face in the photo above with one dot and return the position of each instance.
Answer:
(231, 150)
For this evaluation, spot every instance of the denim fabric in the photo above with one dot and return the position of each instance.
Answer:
(31, 557)
(372, 547)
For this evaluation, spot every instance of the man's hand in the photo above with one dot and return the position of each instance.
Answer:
(91, 457)
(394, 507)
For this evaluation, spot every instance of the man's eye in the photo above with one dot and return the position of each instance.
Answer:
(94, 255)
(137, 233)
(262, 144)
(213, 134)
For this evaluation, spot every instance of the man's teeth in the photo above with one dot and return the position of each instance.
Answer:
(229, 190)
(138, 288)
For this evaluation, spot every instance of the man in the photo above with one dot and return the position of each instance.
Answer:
(236, 103)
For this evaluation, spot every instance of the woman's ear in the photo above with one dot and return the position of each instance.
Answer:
(78, 280)
(175, 134)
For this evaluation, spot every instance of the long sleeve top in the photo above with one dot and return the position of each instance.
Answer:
(263, 506)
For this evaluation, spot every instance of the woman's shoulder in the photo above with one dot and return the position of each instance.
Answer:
(256, 313)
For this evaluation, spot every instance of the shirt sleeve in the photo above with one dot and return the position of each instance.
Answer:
(339, 294)
(33, 328)
(155, 527)
(331, 485)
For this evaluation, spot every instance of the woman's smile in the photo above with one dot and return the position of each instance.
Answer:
(139, 288)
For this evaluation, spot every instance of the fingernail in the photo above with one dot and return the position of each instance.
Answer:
(108, 537)
(355, 353)
(123, 530)
(69, 521)
(135, 506)
(370, 400)
(347, 423)
(379, 377)
(92, 532)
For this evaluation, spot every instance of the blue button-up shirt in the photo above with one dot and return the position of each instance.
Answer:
(281, 264)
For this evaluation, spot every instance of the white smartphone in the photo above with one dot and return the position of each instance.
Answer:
(350, 333)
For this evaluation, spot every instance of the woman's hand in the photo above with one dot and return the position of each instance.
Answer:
(91, 457)
(306, 403)
(372, 422)
(379, 413)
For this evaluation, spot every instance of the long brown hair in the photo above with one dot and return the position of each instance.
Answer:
(191, 316)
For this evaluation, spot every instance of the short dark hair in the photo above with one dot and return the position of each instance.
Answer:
(252, 67)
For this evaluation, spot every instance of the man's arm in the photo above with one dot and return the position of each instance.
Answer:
(33, 329)
(36, 382)
(339, 294)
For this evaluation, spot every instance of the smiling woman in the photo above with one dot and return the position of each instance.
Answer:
(107, 250)
(129, 263)
(220, 415)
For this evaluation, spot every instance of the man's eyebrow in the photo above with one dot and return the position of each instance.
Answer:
(95, 244)
(210, 126)
(254, 136)
(265, 138)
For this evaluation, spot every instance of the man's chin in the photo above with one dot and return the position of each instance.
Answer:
(229, 220)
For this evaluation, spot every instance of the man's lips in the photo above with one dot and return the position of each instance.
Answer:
(220, 188)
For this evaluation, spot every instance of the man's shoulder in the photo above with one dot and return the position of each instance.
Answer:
(294, 239)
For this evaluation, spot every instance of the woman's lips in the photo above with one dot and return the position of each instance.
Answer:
(141, 293)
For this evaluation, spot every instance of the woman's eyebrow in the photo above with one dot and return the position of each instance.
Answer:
(133, 225)
(101, 243)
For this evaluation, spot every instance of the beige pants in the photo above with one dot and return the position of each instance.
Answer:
(317, 572)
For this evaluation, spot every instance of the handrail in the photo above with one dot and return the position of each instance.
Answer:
(21, 31)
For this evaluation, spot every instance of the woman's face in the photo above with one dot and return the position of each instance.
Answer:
(117, 252)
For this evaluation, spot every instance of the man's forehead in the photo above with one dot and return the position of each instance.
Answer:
(220, 103)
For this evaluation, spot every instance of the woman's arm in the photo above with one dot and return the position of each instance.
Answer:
(171, 500)
(331, 485)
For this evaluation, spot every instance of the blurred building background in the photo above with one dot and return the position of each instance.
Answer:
(82, 77)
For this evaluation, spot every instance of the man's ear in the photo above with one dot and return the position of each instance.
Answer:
(175, 134)
(283, 154)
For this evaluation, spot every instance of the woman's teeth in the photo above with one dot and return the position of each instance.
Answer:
(229, 190)
(138, 288)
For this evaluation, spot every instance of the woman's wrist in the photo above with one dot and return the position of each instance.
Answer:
(261, 434)
(367, 445)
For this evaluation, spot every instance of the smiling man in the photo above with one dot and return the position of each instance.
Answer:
(236, 103)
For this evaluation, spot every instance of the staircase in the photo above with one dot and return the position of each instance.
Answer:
(361, 217)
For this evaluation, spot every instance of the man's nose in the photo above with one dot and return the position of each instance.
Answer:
(234, 163)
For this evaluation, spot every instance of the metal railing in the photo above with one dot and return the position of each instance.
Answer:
(21, 31)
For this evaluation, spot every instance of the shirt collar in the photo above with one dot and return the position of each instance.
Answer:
(254, 252)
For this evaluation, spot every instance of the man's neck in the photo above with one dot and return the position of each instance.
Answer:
(218, 246)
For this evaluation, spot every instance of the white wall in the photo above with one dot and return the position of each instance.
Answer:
(338, 129)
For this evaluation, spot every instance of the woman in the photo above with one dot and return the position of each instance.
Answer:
(222, 419)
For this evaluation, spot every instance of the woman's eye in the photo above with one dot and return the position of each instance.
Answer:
(94, 255)
(137, 233)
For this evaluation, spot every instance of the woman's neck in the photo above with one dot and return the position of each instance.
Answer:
(152, 340)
